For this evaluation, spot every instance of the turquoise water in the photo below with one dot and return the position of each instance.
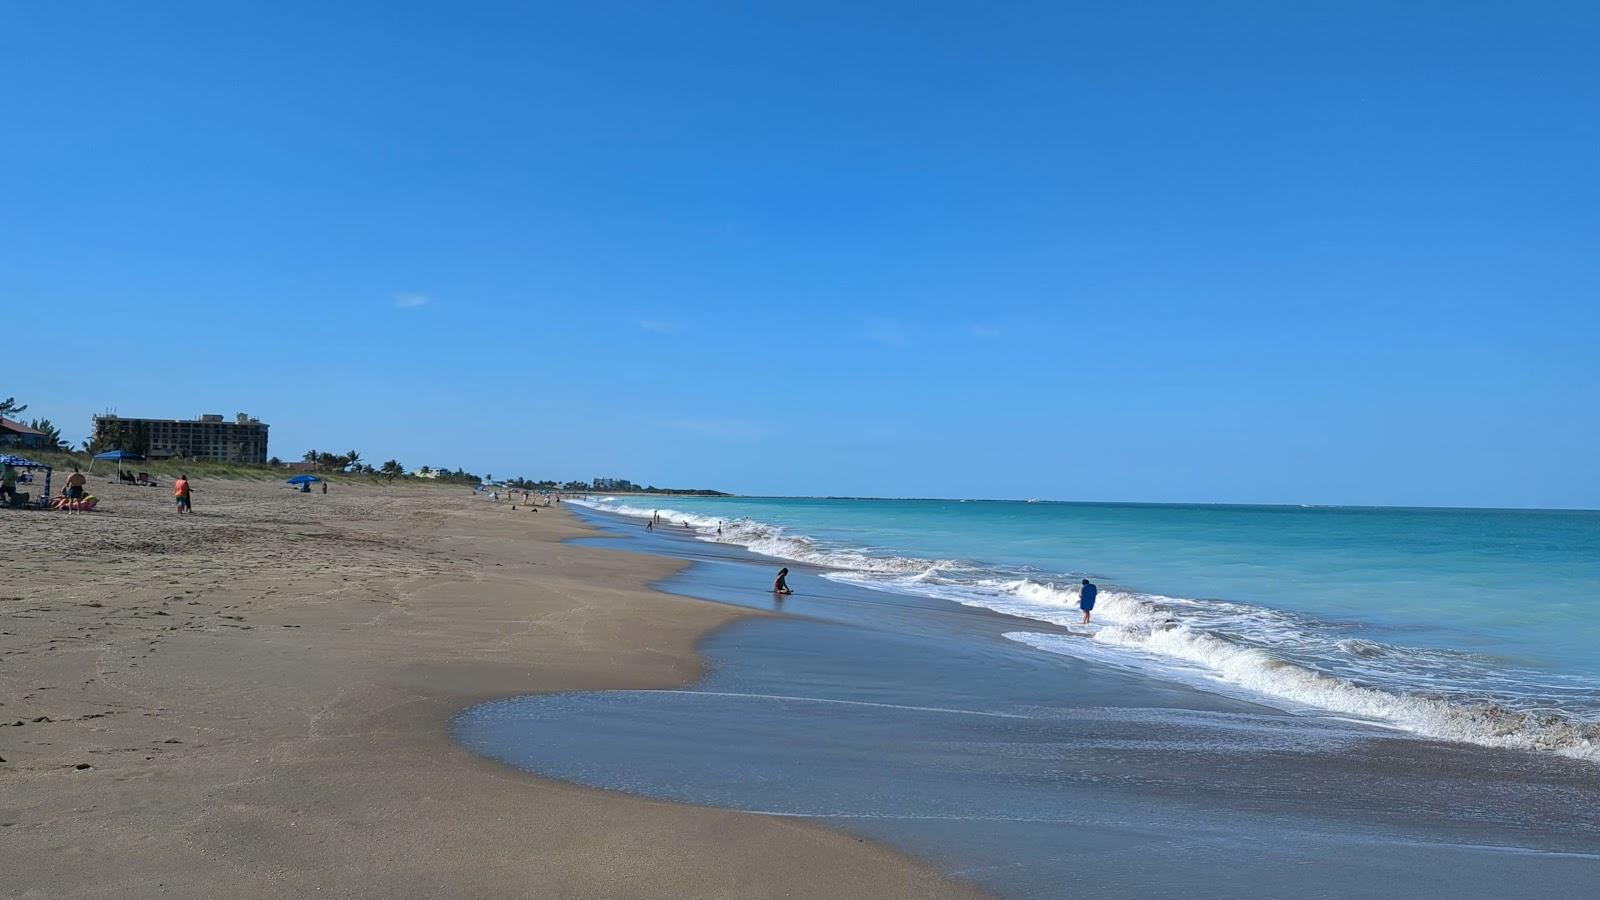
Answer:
(1466, 624)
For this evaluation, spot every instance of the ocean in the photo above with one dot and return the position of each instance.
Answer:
(1476, 626)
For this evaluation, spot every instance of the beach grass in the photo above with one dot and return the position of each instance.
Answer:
(167, 469)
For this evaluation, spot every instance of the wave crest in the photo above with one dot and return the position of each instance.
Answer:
(1265, 652)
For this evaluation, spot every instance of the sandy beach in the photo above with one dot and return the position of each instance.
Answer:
(256, 701)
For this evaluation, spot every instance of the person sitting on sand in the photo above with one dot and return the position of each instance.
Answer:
(781, 586)
(180, 494)
(1086, 595)
(8, 484)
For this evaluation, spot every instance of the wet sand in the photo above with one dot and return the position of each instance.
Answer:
(255, 702)
(914, 721)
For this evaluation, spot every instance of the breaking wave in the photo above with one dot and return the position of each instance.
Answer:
(772, 540)
(1264, 653)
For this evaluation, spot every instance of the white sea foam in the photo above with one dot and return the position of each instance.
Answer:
(770, 540)
(1266, 653)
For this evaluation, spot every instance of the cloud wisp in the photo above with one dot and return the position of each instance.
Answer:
(411, 301)
(656, 325)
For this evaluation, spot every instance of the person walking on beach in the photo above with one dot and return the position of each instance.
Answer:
(75, 483)
(781, 586)
(1086, 595)
(180, 494)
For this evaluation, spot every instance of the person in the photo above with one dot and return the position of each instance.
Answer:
(324, 487)
(180, 494)
(8, 484)
(719, 528)
(781, 586)
(649, 524)
(75, 492)
(1086, 595)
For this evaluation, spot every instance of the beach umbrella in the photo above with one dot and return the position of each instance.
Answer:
(303, 479)
(118, 455)
(22, 462)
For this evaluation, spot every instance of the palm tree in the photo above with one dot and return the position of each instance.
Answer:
(52, 435)
(351, 457)
(311, 456)
(392, 469)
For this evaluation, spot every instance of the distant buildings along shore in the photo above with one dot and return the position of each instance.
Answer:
(19, 434)
(209, 437)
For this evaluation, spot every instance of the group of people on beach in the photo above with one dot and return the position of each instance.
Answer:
(655, 519)
(75, 496)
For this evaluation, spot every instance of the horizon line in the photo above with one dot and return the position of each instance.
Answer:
(739, 496)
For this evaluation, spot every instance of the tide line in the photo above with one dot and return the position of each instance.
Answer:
(932, 709)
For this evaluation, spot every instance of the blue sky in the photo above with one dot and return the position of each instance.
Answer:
(1263, 252)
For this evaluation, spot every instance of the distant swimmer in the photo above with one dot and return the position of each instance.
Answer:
(781, 586)
(649, 524)
(719, 529)
(1086, 595)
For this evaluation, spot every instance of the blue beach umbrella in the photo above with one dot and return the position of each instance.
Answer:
(118, 455)
(303, 479)
(22, 462)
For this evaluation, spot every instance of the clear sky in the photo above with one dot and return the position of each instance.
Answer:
(1257, 252)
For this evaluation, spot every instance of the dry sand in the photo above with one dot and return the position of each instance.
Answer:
(255, 701)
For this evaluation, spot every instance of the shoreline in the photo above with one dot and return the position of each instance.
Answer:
(263, 697)
(921, 725)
